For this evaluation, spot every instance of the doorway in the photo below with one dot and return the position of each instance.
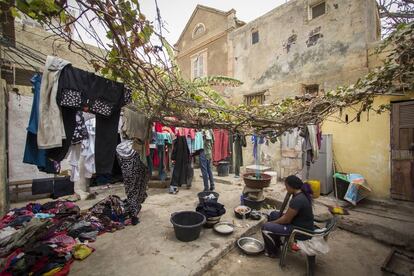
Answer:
(402, 150)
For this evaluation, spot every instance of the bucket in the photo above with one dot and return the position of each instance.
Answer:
(202, 195)
(223, 168)
(315, 187)
(187, 225)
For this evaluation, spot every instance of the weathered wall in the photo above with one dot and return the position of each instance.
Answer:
(284, 58)
(289, 56)
(215, 41)
(216, 51)
(3, 156)
(364, 147)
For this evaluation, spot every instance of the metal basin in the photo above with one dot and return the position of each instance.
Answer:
(250, 246)
(224, 228)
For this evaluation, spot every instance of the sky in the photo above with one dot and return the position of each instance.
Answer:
(176, 13)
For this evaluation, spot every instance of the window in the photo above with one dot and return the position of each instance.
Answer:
(255, 37)
(258, 98)
(318, 10)
(199, 30)
(311, 90)
(199, 65)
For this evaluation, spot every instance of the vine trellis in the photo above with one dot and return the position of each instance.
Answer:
(135, 52)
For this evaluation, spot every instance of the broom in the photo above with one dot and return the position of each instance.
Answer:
(336, 210)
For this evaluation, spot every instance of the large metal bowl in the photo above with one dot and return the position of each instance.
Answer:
(250, 246)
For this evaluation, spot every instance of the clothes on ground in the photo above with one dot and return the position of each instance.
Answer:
(135, 175)
(46, 239)
(51, 130)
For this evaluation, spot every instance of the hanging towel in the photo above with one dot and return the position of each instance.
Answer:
(51, 130)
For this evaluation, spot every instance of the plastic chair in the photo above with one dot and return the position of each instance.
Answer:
(324, 232)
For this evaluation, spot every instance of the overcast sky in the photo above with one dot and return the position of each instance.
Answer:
(176, 13)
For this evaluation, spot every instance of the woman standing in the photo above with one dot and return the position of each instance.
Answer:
(136, 177)
(299, 214)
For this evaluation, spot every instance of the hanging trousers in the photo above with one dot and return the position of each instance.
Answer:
(205, 165)
(136, 177)
(105, 142)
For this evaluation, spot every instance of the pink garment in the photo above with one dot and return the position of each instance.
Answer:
(186, 132)
(221, 145)
(62, 239)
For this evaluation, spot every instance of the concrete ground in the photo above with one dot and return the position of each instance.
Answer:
(349, 254)
(150, 248)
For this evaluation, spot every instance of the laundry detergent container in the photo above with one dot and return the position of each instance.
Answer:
(187, 225)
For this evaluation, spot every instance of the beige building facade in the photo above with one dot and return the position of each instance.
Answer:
(203, 48)
(309, 47)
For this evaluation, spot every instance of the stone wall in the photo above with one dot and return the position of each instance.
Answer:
(294, 51)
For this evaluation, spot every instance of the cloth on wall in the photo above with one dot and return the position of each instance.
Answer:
(51, 129)
(221, 145)
(182, 167)
(81, 90)
(32, 154)
(135, 175)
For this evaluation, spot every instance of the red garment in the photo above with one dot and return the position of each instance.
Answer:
(155, 158)
(158, 127)
(221, 145)
(147, 148)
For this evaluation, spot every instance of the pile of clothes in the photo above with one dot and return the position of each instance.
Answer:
(46, 239)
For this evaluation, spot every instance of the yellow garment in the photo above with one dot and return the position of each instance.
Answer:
(53, 271)
(81, 251)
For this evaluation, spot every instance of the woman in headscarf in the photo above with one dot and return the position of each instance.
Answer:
(299, 214)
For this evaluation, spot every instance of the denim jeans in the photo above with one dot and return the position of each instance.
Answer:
(205, 165)
(272, 232)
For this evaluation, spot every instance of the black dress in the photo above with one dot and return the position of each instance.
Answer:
(182, 167)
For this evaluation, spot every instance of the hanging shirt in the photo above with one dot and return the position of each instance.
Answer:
(208, 143)
(198, 143)
(32, 154)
